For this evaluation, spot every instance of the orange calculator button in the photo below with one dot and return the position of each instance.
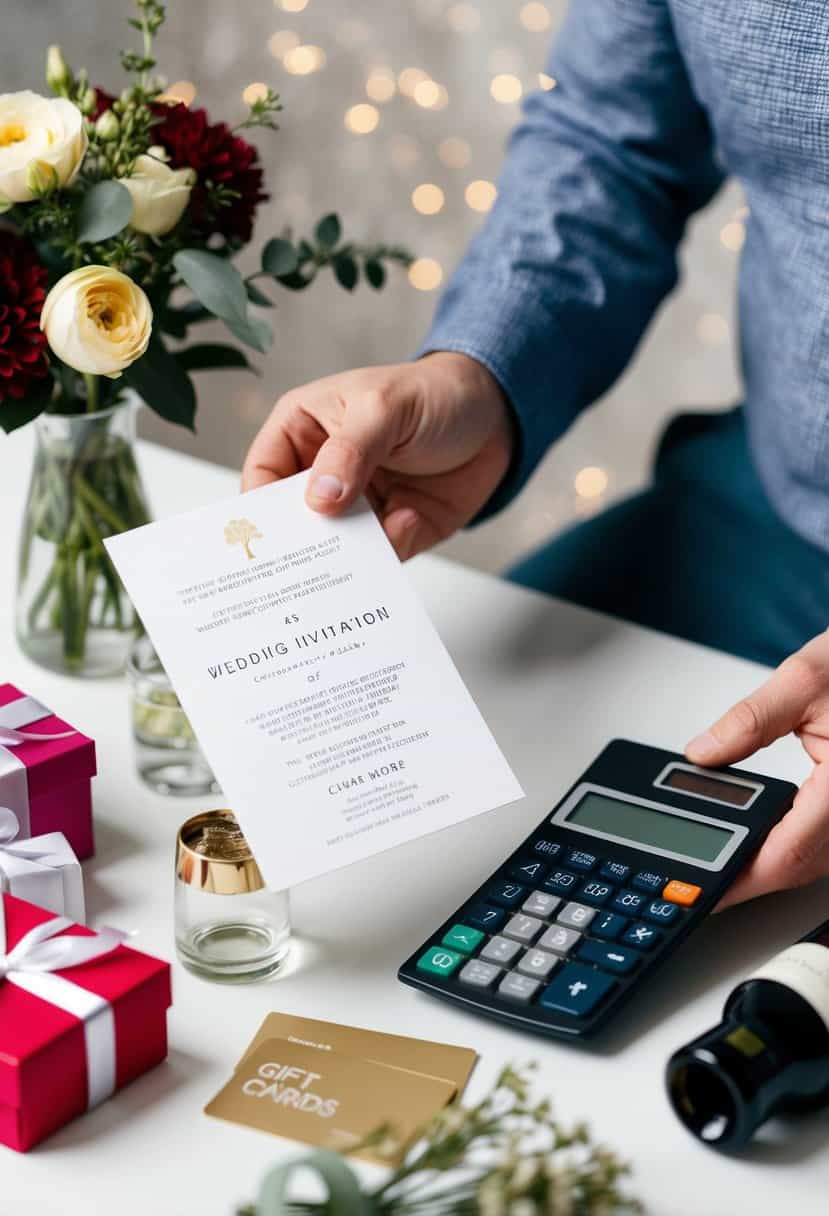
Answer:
(684, 893)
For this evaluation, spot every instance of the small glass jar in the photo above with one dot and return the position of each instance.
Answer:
(167, 753)
(229, 926)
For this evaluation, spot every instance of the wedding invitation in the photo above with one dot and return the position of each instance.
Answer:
(329, 709)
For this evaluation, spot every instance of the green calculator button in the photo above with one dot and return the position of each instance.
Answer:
(439, 961)
(461, 937)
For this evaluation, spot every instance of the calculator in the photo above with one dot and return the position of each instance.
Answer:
(606, 888)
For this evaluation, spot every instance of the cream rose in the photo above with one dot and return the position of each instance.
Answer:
(159, 194)
(42, 141)
(97, 320)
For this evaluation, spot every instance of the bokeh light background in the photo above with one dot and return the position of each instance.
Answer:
(396, 115)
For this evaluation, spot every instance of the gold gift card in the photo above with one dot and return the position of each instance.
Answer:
(417, 1055)
(323, 1098)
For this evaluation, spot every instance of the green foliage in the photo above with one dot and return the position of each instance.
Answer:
(261, 112)
(104, 211)
(328, 232)
(159, 378)
(218, 285)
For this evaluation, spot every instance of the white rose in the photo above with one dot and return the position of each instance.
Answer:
(159, 194)
(97, 320)
(42, 140)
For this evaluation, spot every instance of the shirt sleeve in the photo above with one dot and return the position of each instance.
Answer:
(601, 176)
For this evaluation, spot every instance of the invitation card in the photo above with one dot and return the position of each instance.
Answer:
(329, 709)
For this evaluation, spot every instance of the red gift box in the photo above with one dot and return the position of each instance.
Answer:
(46, 782)
(55, 1064)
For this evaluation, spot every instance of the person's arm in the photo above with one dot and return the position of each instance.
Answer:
(580, 249)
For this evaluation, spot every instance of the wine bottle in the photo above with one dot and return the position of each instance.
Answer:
(769, 1054)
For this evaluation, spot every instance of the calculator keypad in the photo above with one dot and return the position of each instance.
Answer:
(563, 938)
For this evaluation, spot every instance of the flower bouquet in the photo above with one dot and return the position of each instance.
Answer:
(122, 216)
(505, 1156)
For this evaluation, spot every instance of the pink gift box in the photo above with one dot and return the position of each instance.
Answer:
(55, 1061)
(58, 778)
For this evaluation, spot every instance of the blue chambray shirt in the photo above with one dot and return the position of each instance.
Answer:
(656, 102)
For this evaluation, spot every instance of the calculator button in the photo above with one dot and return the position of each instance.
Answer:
(576, 916)
(643, 937)
(531, 871)
(577, 990)
(524, 929)
(508, 894)
(661, 912)
(518, 987)
(482, 916)
(616, 871)
(561, 881)
(462, 938)
(608, 925)
(612, 958)
(438, 961)
(648, 881)
(559, 940)
(538, 963)
(683, 893)
(628, 902)
(541, 904)
(548, 848)
(580, 860)
(595, 893)
(500, 950)
(478, 974)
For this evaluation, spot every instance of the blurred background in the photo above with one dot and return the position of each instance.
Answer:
(396, 116)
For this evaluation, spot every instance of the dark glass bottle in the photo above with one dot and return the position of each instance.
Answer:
(769, 1054)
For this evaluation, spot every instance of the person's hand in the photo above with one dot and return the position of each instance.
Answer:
(427, 442)
(795, 698)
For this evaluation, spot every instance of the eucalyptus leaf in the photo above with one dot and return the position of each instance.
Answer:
(221, 289)
(104, 212)
(258, 297)
(375, 273)
(14, 414)
(344, 1195)
(296, 281)
(251, 331)
(163, 383)
(208, 355)
(328, 231)
(279, 257)
(346, 271)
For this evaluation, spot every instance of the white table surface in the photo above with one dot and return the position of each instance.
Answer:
(555, 683)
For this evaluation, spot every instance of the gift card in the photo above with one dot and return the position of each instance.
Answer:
(330, 1100)
(440, 1060)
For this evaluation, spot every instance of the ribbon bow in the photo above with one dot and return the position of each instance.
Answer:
(31, 964)
(9, 830)
(14, 781)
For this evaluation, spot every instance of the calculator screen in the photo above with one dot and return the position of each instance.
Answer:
(650, 826)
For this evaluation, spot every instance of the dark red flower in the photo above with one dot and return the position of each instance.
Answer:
(218, 156)
(23, 359)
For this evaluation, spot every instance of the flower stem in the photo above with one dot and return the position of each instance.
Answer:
(91, 392)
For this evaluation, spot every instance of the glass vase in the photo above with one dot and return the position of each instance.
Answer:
(73, 614)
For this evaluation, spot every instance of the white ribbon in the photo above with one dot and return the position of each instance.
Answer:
(30, 966)
(14, 781)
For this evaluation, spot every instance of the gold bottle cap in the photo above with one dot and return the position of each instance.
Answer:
(213, 855)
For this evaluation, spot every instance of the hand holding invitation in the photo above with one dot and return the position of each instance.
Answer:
(326, 703)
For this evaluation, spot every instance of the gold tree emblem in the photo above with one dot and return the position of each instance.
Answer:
(242, 532)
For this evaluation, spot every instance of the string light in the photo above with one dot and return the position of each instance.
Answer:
(590, 482)
(282, 41)
(362, 119)
(428, 198)
(454, 152)
(463, 18)
(535, 17)
(712, 329)
(183, 91)
(302, 60)
(409, 79)
(430, 95)
(425, 274)
(291, 6)
(733, 236)
(546, 82)
(254, 92)
(506, 88)
(480, 195)
(381, 85)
